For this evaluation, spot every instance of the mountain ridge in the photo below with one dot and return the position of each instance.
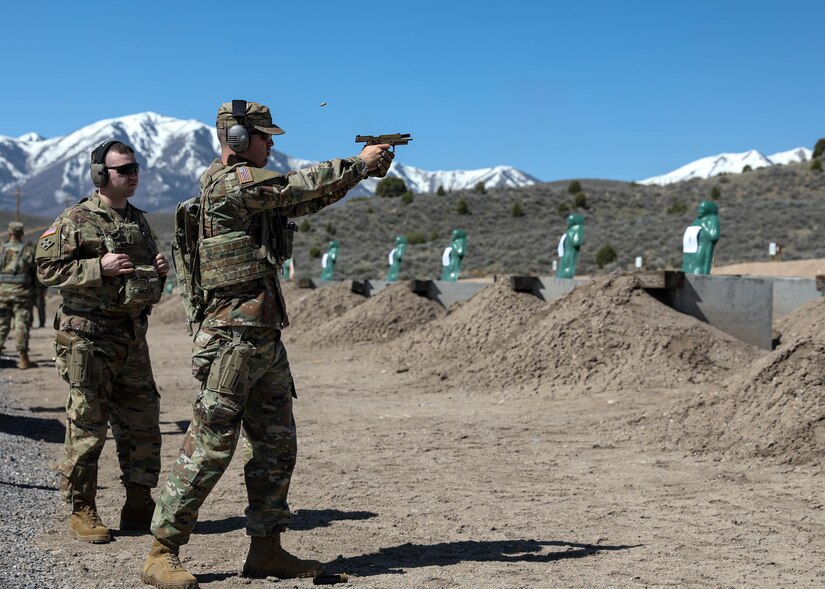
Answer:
(53, 172)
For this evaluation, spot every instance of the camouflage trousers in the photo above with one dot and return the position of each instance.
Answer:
(246, 385)
(111, 384)
(21, 312)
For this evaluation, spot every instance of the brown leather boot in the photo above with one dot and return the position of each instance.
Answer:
(163, 569)
(23, 362)
(85, 524)
(136, 513)
(266, 558)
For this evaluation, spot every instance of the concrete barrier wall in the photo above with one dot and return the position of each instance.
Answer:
(446, 293)
(791, 293)
(739, 306)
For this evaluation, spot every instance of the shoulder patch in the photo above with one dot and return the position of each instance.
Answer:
(50, 231)
(244, 175)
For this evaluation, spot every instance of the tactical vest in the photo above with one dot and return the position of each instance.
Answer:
(11, 256)
(140, 288)
(130, 292)
(206, 264)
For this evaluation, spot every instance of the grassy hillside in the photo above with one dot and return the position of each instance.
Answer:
(782, 203)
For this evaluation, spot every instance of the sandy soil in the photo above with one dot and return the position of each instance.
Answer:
(423, 463)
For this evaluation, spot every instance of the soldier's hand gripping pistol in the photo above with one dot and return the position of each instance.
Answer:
(391, 139)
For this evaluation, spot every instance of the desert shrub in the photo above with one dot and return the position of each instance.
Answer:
(407, 198)
(304, 227)
(330, 229)
(819, 148)
(479, 188)
(606, 255)
(715, 193)
(580, 200)
(747, 168)
(390, 187)
(416, 237)
(677, 208)
(574, 187)
(315, 252)
(816, 164)
(563, 209)
(440, 191)
(461, 207)
(516, 210)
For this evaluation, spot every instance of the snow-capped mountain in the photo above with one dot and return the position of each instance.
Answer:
(52, 173)
(729, 163)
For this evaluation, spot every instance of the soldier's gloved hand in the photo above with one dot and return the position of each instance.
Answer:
(161, 265)
(116, 264)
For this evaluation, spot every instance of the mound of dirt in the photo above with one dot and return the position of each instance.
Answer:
(807, 321)
(470, 331)
(310, 308)
(392, 312)
(774, 408)
(605, 334)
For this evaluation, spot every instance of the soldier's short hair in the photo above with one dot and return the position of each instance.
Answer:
(119, 147)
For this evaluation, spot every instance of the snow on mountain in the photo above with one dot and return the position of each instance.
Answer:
(800, 154)
(52, 173)
(729, 163)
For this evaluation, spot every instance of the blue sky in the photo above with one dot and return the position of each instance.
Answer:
(561, 90)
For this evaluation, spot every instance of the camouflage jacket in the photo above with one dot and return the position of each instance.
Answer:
(68, 258)
(238, 197)
(18, 272)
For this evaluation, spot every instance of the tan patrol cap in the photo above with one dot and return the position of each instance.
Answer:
(258, 117)
(16, 227)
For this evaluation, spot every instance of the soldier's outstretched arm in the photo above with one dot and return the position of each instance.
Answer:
(57, 261)
(328, 179)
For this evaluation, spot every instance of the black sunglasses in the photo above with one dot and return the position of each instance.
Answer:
(126, 169)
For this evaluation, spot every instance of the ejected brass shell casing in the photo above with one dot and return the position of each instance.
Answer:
(330, 579)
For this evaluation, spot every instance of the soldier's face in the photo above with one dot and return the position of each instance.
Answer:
(260, 145)
(121, 184)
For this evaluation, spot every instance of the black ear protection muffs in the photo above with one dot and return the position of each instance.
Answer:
(99, 172)
(237, 136)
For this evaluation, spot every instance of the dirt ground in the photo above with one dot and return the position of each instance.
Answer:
(472, 449)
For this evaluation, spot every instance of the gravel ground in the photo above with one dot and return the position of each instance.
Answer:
(28, 493)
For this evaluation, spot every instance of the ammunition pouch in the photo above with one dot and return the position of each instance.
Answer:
(230, 258)
(229, 373)
(142, 287)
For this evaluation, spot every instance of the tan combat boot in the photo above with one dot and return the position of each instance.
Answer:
(138, 509)
(266, 558)
(85, 524)
(23, 362)
(163, 569)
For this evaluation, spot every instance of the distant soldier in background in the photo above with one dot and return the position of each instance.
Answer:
(101, 254)
(18, 283)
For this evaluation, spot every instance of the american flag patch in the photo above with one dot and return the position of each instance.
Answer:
(49, 231)
(244, 175)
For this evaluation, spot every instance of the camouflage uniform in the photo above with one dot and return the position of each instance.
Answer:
(100, 345)
(238, 354)
(18, 280)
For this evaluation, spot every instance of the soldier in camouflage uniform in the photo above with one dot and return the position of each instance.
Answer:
(18, 281)
(102, 256)
(238, 356)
